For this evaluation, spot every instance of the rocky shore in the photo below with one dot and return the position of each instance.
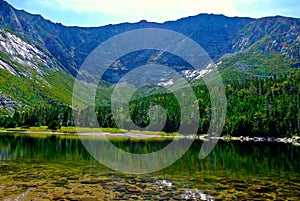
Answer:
(295, 140)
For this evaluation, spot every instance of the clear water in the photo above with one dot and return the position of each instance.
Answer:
(40, 167)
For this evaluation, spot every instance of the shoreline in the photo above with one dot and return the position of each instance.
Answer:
(294, 140)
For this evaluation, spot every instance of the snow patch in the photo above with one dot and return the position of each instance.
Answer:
(168, 83)
(197, 74)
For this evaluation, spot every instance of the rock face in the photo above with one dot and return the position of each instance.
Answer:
(270, 34)
(17, 50)
(8, 104)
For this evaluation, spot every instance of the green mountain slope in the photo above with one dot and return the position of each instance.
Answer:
(31, 76)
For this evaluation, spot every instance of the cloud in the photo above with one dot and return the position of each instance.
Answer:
(102, 12)
(155, 10)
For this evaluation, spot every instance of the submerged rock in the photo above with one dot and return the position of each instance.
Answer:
(91, 181)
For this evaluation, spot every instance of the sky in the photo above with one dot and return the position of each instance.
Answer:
(102, 12)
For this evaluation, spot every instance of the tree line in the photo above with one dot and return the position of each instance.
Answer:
(53, 116)
(257, 107)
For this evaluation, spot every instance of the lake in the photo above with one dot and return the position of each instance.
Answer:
(44, 167)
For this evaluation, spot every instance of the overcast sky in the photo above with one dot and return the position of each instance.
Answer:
(103, 12)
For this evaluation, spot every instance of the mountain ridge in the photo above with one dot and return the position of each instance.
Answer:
(70, 45)
(217, 34)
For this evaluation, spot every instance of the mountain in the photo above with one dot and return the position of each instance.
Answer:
(39, 58)
(71, 45)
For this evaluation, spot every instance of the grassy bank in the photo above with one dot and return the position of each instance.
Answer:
(74, 130)
(64, 130)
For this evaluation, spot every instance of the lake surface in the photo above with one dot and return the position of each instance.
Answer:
(41, 167)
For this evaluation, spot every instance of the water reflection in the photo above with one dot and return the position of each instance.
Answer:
(50, 147)
(230, 156)
(39, 165)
